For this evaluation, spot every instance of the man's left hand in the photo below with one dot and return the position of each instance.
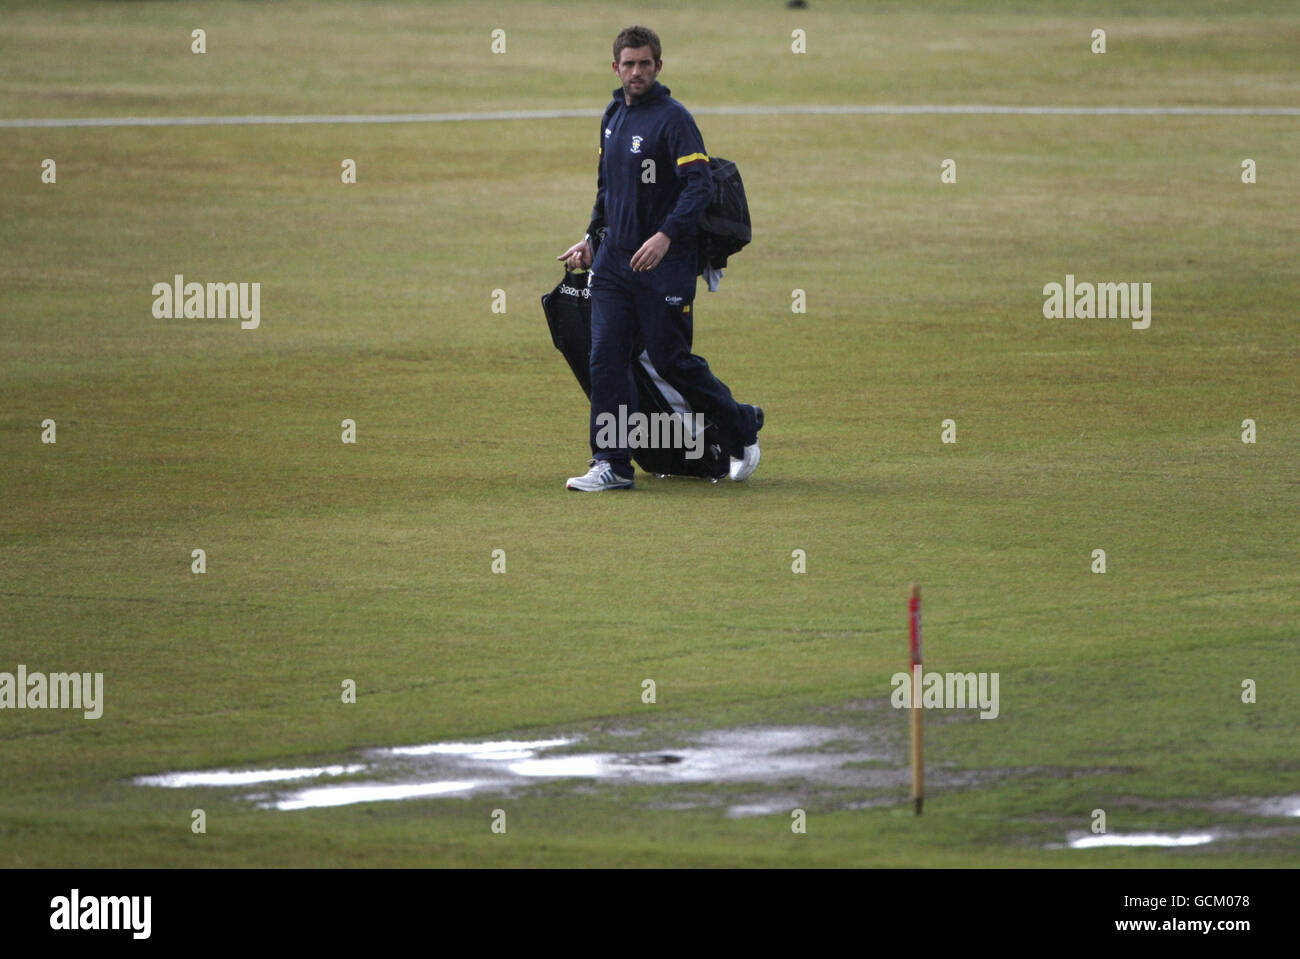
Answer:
(651, 252)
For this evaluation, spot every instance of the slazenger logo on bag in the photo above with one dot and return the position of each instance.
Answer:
(574, 291)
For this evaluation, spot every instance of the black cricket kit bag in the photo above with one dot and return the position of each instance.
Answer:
(568, 314)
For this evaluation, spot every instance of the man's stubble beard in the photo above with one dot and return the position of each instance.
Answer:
(631, 97)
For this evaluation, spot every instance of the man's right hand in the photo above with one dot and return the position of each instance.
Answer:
(577, 257)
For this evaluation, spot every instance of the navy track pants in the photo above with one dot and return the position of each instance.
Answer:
(657, 309)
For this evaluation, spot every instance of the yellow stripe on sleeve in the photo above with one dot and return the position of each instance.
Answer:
(691, 158)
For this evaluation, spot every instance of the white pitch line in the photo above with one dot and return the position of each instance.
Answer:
(849, 110)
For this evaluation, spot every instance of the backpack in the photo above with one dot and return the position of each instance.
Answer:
(724, 225)
(724, 228)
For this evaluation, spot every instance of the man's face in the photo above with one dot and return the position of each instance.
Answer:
(637, 68)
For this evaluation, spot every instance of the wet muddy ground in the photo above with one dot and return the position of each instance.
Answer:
(770, 770)
(767, 754)
(776, 760)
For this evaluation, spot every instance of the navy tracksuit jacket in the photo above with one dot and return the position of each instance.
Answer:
(653, 176)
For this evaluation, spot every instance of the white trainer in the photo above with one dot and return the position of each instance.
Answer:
(743, 468)
(601, 476)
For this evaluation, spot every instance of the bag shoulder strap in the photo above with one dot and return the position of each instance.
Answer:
(609, 112)
(604, 120)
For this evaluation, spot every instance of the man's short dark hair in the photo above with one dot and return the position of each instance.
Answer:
(637, 37)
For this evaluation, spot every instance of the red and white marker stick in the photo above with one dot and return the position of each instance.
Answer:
(918, 725)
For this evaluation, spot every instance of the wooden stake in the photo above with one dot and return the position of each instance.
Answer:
(918, 721)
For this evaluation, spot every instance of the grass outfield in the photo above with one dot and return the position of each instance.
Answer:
(372, 561)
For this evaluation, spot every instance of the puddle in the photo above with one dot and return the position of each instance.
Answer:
(346, 795)
(1286, 806)
(784, 805)
(757, 754)
(1269, 806)
(246, 777)
(771, 769)
(1140, 839)
(508, 749)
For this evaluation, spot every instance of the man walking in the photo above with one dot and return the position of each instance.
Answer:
(653, 183)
